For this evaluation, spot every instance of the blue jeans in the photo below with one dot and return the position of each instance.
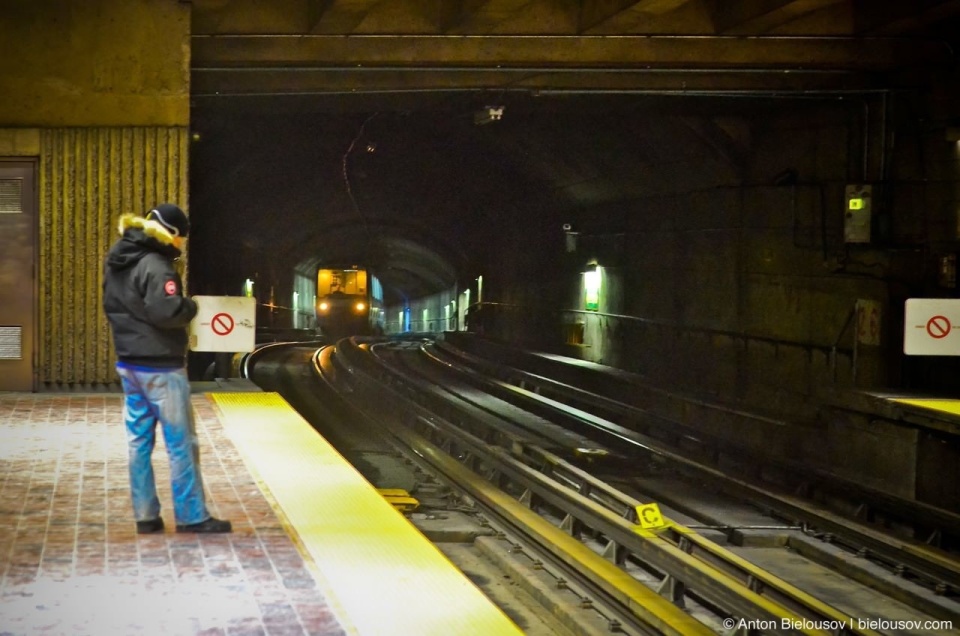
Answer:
(163, 395)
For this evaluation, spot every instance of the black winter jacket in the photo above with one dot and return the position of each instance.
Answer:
(143, 296)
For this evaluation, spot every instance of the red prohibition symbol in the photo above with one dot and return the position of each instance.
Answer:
(938, 327)
(222, 324)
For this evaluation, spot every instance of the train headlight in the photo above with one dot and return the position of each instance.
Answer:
(323, 306)
(360, 307)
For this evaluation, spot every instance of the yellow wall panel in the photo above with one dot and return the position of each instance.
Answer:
(88, 178)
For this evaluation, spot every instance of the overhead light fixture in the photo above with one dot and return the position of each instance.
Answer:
(488, 114)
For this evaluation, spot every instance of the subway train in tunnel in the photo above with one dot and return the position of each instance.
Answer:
(349, 302)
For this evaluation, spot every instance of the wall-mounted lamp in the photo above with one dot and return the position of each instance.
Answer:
(591, 287)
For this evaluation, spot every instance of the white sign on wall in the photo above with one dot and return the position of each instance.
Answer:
(224, 323)
(931, 327)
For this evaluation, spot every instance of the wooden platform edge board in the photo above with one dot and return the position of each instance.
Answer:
(378, 568)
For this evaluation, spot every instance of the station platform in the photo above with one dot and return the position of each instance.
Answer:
(315, 549)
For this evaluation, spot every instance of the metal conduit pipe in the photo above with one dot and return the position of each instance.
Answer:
(511, 69)
(812, 39)
(601, 54)
(770, 94)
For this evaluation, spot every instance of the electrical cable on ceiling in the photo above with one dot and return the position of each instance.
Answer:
(346, 181)
(346, 175)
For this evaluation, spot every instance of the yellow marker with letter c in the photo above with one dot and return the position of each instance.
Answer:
(649, 516)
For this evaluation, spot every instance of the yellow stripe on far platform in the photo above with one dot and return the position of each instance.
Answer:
(947, 406)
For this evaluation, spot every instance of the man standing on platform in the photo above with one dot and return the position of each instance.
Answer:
(148, 313)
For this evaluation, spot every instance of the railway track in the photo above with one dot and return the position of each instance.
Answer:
(564, 498)
(918, 562)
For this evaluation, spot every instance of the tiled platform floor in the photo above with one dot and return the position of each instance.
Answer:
(72, 564)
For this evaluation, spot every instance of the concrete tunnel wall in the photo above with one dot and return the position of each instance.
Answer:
(739, 286)
(733, 285)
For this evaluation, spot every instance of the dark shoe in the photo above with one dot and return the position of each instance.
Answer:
(150, 526)
(210, 525)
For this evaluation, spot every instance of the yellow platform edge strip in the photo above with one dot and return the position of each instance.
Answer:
(946, 406)
(384, 576)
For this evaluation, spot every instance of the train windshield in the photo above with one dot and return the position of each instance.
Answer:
(344, 281)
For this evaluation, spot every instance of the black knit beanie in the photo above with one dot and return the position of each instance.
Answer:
(171, 217)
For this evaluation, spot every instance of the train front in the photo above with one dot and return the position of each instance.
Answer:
(343, 302)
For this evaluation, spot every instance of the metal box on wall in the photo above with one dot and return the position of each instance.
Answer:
(857, 215)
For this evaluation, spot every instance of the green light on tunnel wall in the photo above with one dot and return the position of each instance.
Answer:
(248, 288)
(591, 289)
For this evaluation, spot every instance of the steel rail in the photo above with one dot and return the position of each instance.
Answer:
(937, 569)
(546, 386)
(698, 577)
(621, 601)
(371, 383)
(683, 537)
(548, 434)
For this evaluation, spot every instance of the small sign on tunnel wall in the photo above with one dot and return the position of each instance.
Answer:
(868, 322)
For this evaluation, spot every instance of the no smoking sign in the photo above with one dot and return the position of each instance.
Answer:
(224, 323)
(931, 327)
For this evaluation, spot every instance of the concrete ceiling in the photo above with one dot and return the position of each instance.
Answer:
(353, 121)
(304, 46)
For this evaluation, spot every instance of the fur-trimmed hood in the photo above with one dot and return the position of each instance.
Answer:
(139, 238)
(151, 228)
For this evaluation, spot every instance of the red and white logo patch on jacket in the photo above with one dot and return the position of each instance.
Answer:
(170, 287)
